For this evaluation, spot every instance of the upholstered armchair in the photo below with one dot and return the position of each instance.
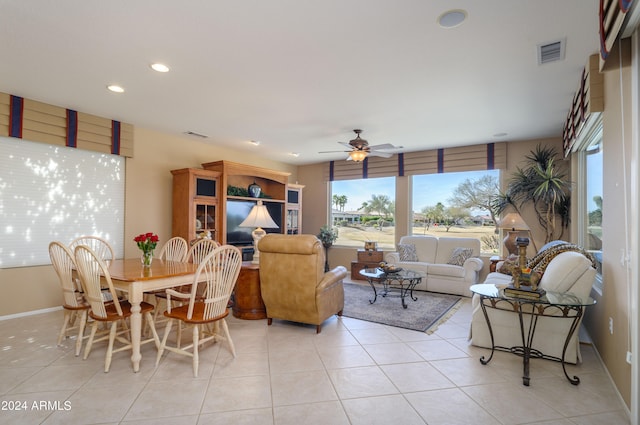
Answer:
(293, 282)
(567, 272)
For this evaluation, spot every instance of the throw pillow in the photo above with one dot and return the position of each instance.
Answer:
(459, 256)
(407, 252)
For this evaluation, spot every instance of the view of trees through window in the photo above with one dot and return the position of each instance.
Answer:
(449, 204)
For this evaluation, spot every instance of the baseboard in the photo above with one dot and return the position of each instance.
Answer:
(29, 313)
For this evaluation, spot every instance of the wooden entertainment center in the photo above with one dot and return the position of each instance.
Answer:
(201, 196)
(201, 201)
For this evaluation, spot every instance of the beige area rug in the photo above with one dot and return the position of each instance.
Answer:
(424, 315)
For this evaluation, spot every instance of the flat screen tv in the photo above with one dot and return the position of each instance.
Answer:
(238, 210)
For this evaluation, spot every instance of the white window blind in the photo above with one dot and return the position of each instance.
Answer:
(51, 193)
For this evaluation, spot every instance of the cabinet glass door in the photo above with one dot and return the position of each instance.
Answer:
(292, 222)
(206, 219)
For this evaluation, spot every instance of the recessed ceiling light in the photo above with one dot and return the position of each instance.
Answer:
(115, 88)
(296, 154)
(159, 67)
(499, 134)
(254, 142)
(452, 18)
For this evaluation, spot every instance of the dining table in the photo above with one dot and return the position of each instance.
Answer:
(129, 275)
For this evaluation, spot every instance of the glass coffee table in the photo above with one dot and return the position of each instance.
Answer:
(401, 283)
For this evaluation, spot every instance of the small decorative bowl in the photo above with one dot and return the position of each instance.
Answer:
(390, 269)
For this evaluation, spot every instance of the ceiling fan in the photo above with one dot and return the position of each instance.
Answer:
(360, 148)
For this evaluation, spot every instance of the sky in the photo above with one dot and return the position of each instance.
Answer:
(428, 189)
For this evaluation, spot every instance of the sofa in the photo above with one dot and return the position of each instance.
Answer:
(565, 268)
(449, 265)
(293, 282)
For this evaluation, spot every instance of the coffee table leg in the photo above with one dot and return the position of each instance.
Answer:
(375, 293)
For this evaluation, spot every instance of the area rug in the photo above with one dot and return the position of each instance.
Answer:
(430, 310)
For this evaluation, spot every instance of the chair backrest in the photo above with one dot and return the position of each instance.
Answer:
(63, 263)
(175, 249)
(292, 261)
(98, 245)
(93, 274)
(218, 273)
(200, 249)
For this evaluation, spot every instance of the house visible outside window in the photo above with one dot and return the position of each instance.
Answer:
(445, 204)
(364, 210)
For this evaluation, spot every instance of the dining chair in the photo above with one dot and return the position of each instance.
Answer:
(93, 270)
(75, 306)
(101, 247)
(200, 249)
(175, 249)
(206, 313)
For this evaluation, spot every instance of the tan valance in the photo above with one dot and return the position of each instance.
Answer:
(587, 103)
(488, 156)
(612, 18)
(40, 122)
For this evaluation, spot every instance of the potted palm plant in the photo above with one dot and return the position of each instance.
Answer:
(544, 186)
(327, 236)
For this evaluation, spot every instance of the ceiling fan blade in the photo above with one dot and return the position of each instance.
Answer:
(383, 147)
(381, 154)
(332, 151)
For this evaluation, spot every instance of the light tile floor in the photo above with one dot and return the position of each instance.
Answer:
(354, 372)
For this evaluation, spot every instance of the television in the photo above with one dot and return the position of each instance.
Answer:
(238, 210)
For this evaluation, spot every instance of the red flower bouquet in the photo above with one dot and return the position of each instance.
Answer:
(147, 242)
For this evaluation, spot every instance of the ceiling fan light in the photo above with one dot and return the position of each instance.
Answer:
(358, 156)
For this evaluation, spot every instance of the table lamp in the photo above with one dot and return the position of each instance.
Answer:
(514, 224)
(258, 218)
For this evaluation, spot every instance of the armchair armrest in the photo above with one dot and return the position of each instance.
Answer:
(472, 267)
(392, 257)
(331, 277)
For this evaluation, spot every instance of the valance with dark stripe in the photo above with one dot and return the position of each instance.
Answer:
(40, 122)
(488, 156)
(613, 16)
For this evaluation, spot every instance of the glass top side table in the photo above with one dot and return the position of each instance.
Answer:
(562, 305)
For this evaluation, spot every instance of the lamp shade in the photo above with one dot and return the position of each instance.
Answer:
(259, 217)
(513, 222)
(358, 155)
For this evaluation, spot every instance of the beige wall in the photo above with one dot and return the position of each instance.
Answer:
(614, 301)
(147, 209)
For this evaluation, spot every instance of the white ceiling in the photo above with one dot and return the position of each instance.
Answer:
(299, 75)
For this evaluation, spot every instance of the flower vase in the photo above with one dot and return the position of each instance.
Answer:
(147, 258)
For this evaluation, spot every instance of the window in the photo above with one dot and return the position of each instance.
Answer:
(364, 210)
(456, 205)
(591, 207)
(56, 193)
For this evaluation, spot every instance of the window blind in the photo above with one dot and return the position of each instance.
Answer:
(490, 156)
(50, 192)
(41, 122)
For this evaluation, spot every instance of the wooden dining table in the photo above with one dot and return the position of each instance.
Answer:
(130, 276)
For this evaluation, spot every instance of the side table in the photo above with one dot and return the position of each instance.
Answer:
(247, 298)
(571, 306)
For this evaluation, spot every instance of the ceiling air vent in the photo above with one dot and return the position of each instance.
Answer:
(551, 52)
(193, 133)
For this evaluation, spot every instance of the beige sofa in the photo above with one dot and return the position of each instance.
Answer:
(434, 256)
(567, 272)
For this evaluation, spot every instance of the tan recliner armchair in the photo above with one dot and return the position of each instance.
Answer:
(293, 282)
